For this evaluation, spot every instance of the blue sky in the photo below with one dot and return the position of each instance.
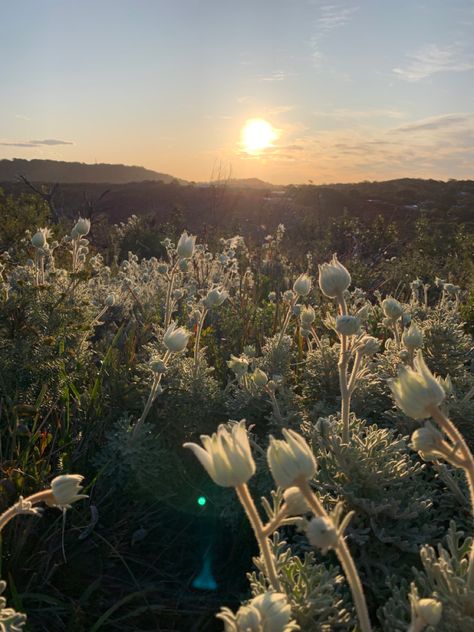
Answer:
(365, 90)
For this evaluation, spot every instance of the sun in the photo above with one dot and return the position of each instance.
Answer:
(257, 134)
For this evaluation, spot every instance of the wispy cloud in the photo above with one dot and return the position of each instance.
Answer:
(51, 142)
(277, 75)
(22, 117)
(437, 123)
(330, 18)
(333, 16)
(430, 59)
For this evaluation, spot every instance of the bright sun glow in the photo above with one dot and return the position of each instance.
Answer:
(257, 135)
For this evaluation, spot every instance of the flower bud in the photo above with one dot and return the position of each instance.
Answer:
(175, 338)
(412, 337)
(39, 239)
(158, 366)
(392, 308)
(178, 294)
(347, 325)
(295, 502)
(307, 316)
(162, 268)
(110, 300)
(81, 228)
(302, 285)
(291, 459)
(260, 378)
(226, 455)
(334, 278)
(183, 265)
(322, 533)
(427, 440)
(429, 611)
(370, 345)
(416, 390)
(272, 297)
(185, 247)
(289, 296)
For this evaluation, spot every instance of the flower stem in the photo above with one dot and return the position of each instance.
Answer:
(344, 556)
(468, 466)
(198, 340)
(342, 368)
(263, 542)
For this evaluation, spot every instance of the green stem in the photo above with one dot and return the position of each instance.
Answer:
(342, 368)
(263, 542)
(198, 340)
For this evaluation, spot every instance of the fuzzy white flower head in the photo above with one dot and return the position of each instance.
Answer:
(65, 490)
(307, 316)
(295, 502)
(215, 298)
(291, 459)
(347, 325)
(81, 228)
(260, 378)
(429, 611)
(268, 612)
(186, 244)
(412, 337)
(226, 455)
(392, 308)
(274, 610)
(40, 238)
(175, 338)
(334, 278)
(322, 533)
(238, 365)
(416, 390)
(302, 285)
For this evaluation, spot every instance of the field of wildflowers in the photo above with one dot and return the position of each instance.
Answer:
(232, 442)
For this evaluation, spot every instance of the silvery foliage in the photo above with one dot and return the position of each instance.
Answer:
(443, 575)
(10, 620)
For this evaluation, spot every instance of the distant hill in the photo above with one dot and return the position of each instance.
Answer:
(78, 172)
(250, 183)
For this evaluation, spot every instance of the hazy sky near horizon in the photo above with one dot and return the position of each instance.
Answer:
(365, 90)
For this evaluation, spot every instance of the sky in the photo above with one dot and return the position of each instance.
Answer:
(368, 90)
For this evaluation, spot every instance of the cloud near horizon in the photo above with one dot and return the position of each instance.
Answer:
(48, 142)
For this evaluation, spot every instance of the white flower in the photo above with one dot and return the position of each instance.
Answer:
(392, 308)
(429, 611)
(176, 338)
(334, 278)
(412, 337)
(347, 325)
(215, 298)
(65, 490)
(307, 316)
(322, 533)
(185, 247)
(291, 459)
(260, 378)
(226, 455)
(268, 612)
(302, 285)
(274, 610)
(415, 390)
(81, 228)
(238, 365)
(295, 502)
